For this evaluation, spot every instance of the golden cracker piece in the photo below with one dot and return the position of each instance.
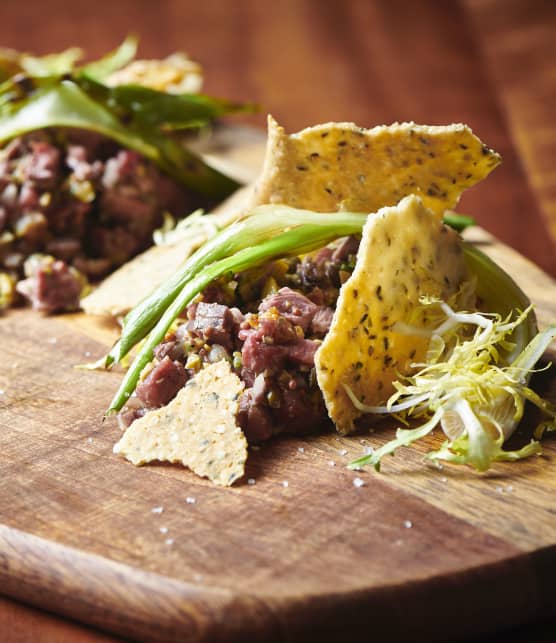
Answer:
(197, 428)
(175, 74)
(341, 166)
(406, 253)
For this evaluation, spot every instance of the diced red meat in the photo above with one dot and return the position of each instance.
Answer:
(347, 247)
(68, 217)
(129, 204)
(80, 198)
(320, 324)
(52, 286)
(294, 306)
(171, 348)
(254, 419)
(320, 270)
(258, 356)
(28, 196)
(129, 415)
(117, 244)
(171, 196)
(162, 383)
(3, 218)
(63, 247)
(301, 352)
(298, 411)
(120, 167)
(77, 160)
(42, 165)
(214, 323)
(275, 329)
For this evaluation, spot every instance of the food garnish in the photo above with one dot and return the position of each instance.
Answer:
(474, 387)
(358, 313)
(197, 428)
(406, 252)
(92, 156)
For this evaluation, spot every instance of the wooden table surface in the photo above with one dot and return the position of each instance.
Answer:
(488, 63)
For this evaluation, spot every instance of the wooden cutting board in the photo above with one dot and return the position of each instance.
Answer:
(155, 553)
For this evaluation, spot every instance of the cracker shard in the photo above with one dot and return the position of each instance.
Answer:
(406, 253)
(341, 166)
(197, 428)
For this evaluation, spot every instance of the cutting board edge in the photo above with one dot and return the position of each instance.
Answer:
(128, 601)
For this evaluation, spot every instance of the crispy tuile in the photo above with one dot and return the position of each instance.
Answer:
(338, 166)
(406, 253)
(197, 428)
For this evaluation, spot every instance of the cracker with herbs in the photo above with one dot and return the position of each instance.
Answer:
(341, 166)
(197, 428)
(406, 254)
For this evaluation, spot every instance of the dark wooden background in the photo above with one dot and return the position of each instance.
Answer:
(488, 63)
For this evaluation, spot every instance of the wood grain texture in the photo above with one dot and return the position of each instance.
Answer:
(485, 62)
(303, 550)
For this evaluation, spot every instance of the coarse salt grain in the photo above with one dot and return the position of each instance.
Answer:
(52, 340)
(157, 510)
(87, 353)
(169, 541)
(163, 530)
(285, 483)
(190, 500)
(343, 451)
(251, 481)
(301, 449)
(331, 463)
(368, 450)
(90, 440)
(407, 524)
(358, 482)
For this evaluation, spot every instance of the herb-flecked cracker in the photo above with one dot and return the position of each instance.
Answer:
(197, 428)
(341, 166)
(406, 253)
